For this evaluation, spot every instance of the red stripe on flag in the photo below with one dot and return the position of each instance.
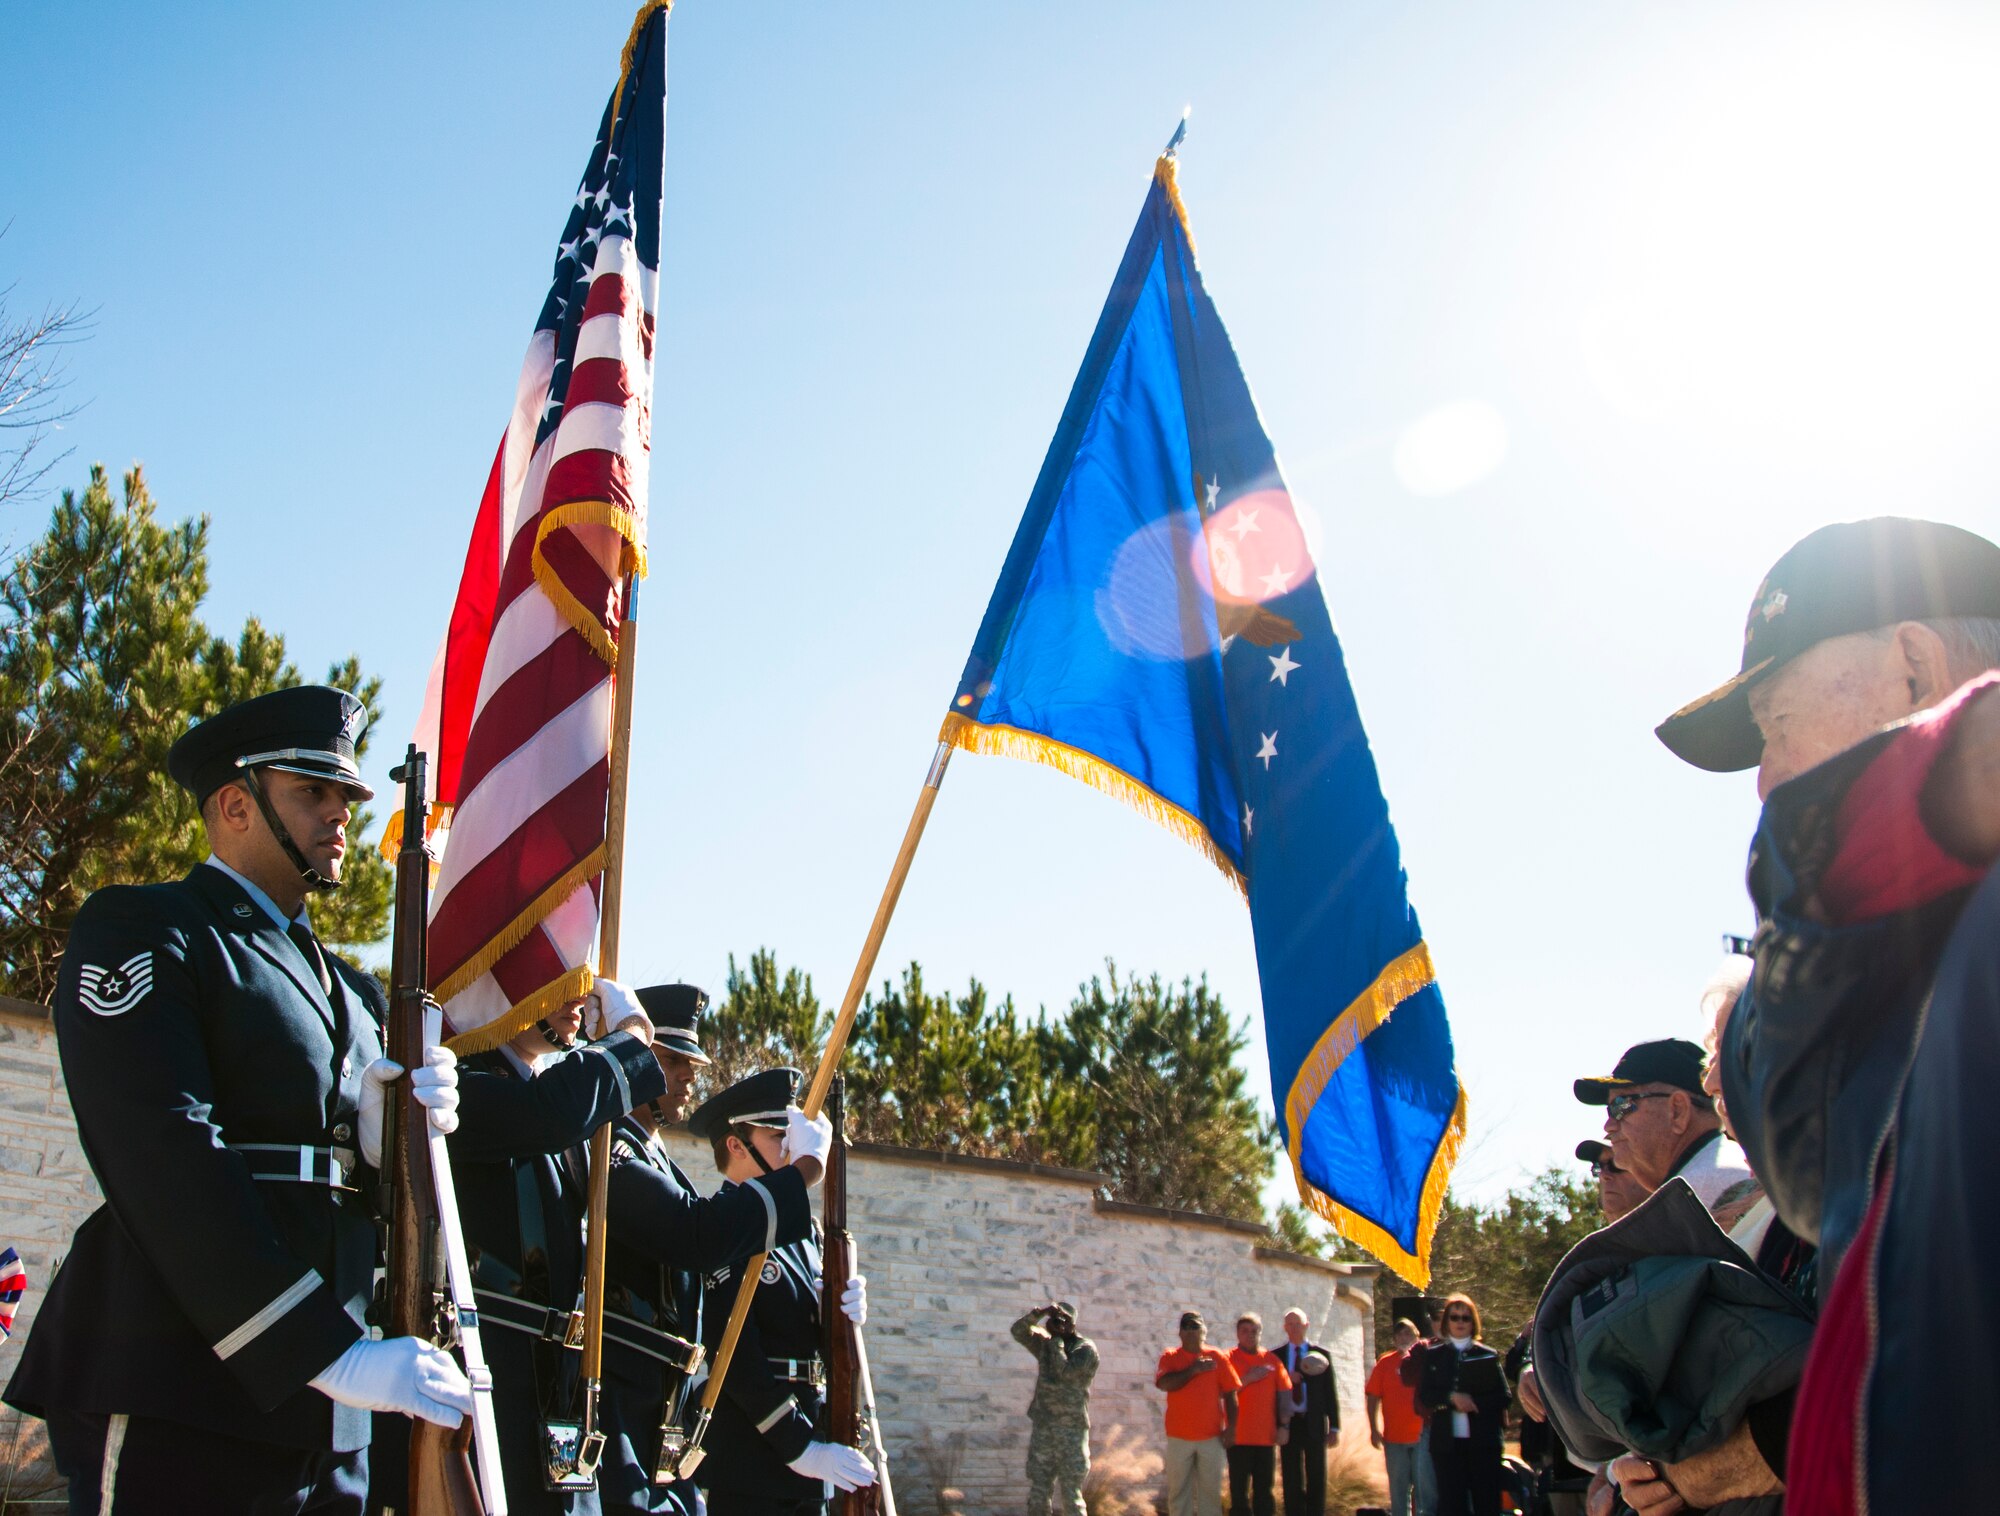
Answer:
(528, 699)
(490, 895)
(470, 632)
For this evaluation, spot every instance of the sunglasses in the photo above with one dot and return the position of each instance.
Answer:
(1602, 1167)
(1457, 1316)
(1621, 1106)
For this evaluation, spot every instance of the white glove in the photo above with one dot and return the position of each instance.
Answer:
(611, 1007)
(843, 1467)
(435, 1085)
(807, 1137)
(854, 1299)
(399, 1374)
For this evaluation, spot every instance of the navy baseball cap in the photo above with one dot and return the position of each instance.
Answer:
(1671, 1060)
(1854, 576)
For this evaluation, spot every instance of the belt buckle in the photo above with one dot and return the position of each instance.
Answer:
(565, 1327)
(569, 1457)
(673, 1444)
(697, 1356)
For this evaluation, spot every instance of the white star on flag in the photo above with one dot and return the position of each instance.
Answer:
(1214, 488)
(1269, 750)
(1274, 582)
(1248, 816)
(1244, 524)
(1282, 666)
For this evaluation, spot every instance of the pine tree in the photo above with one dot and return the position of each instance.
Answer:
(104, 661)
(766, 1020)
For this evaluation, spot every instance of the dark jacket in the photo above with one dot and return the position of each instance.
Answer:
(188, 1021)
(1658, 1334)
(519, 1162)
(1436, 1369)
(1869, 1058)
(663, 1237)
(769, 1406)
(1320, 1393)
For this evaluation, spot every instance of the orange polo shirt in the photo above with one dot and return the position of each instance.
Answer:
(1402, 1422)
(1194, 1411)
(1257, 1404)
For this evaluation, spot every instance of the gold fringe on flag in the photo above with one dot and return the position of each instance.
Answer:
(570, 985)
(1402, 978)
(508, 937)
(1011, 742)
(1167, 171)
(632, 560)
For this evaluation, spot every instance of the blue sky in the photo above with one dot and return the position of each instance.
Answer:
(1673, 284)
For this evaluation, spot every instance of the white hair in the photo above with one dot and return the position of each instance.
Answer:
(1971, 643)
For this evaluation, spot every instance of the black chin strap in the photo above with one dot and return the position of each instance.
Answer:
(743, 1136)
(314, 879)
(560, 1044)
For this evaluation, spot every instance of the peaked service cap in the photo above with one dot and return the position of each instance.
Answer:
(307, 729)
(674, 1010)
(759, 1100)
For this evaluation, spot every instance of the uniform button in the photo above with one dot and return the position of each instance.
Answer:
(343, 1132)
(346, 1067)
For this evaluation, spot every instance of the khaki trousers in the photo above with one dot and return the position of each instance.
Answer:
(1194, 1476)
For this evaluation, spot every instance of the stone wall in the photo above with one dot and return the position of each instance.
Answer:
(46, 1189)
(954, 1249)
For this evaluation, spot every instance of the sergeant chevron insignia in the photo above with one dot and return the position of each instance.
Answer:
(114, 991)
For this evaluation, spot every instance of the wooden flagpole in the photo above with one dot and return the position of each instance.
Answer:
(829, 1065)
(610, 905)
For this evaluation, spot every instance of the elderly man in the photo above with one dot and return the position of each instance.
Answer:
(1618, 1193)
(1858, 625)
(1312, 1415)
(1661, 1123)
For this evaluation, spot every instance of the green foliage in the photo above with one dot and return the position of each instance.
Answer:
(955, 1074)
(765, 1020)
(1292, 1231)
(104, 661)
(1137, 1080)
(1150, 1091)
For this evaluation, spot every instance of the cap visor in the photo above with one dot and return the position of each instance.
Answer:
(1717, 732)
(1598, 1091)
(350, 782)
(1593, 1151)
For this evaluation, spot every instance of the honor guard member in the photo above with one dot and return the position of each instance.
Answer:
(202, 1348)
(663, 1238)
(520, 1163)
(763, 1458)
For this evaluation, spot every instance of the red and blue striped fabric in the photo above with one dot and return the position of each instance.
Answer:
(13, 1285)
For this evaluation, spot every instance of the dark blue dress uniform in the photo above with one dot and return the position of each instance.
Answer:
(519, 1164)
(775, 1392)
(215, 1080)
(663, 1237)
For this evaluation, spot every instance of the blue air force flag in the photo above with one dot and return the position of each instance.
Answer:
(1159, 631)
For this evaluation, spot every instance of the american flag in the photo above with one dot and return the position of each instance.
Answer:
(13, 1285)
(517, 716)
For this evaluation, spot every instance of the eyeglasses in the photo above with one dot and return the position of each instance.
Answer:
(1602, 1167)
(1621, 1106)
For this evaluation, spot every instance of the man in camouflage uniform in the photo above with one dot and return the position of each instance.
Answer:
(1059, 1445)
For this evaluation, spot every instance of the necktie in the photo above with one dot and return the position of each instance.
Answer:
(1298, 1378)
(302, 937)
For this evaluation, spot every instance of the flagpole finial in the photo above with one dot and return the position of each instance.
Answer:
(1180, 133)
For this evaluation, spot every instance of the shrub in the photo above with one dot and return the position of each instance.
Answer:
(1123, 1474)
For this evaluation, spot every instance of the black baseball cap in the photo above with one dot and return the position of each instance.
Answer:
(1671, 1060)
(1592, 1151)
(306, 729)
(1854, 576)
(1191, 1319)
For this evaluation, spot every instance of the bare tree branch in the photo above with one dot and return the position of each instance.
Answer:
(34, 378)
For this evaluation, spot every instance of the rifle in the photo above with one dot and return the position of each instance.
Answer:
(850, 1393)
(429, 1282)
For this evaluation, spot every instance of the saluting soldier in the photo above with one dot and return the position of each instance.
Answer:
(520, 1165)
(202, 1348)
(663, 1237)
(763, 1457)
(1059, 1413)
